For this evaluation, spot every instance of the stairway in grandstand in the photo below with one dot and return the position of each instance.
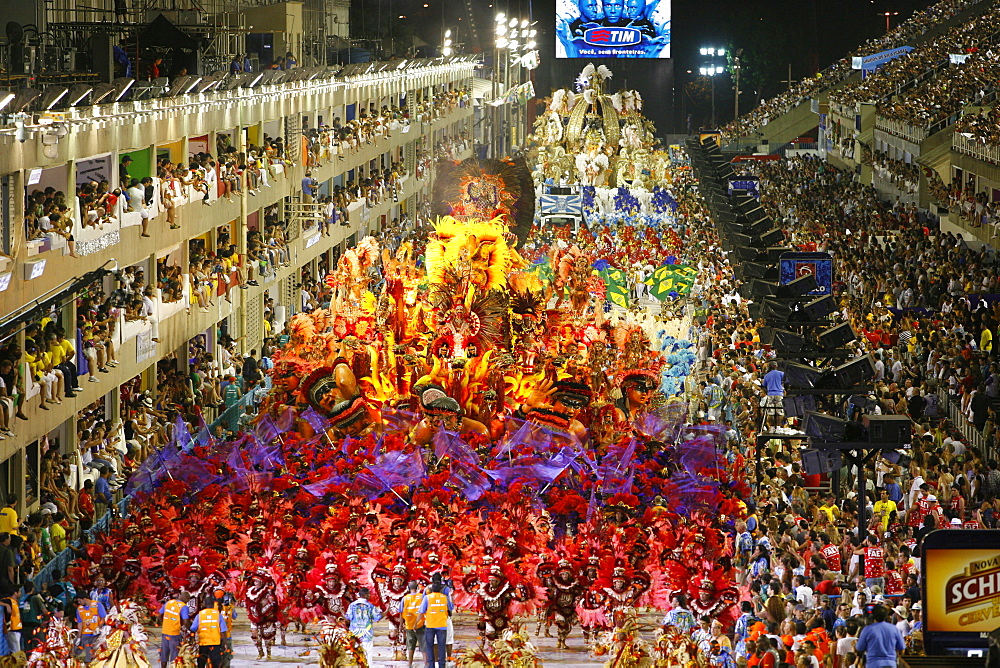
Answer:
(803, 119)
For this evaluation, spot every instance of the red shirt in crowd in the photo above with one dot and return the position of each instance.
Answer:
(832, 555)
(874, 562)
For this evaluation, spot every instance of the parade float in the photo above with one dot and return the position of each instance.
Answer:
(599, 145)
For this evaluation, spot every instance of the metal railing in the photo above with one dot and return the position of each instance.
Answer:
(973, 436)
(977, 148)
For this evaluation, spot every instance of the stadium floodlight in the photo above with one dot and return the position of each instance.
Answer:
(501, 17)
(23, 99)
(77, 94)
(524, 23)
(122, 86)
(721, 52)
(447, 33)
(501, 42)
(5, 97)
(51, 97)
(102, 93)
(512, 23)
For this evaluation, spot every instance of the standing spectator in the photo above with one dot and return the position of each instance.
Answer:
(8, 575)
(309, 186)
(436, 609)
(155, 71)
(33, 615)
(774, 383)
(363, 615)
(251, 370)
(102, 491)
(124, 178)
(8, 516)
(880, 642)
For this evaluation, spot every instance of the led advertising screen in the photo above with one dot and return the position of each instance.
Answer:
(613, 29)
(961, 599)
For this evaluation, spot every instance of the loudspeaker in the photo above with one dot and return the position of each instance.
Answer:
(103, 56)
(799, 405)
(775, 311)
(818, 462)
(753, 215)
(799, 287)
(758, 270)
(825, 427)
(836, 336)
(759, 288)
(895, 429)
(854, 372)
(772, 238)
(801, 376)
(759, 227)
(785, 341)
(819, 308)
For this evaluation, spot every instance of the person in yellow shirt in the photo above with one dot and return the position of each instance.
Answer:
(57, 533)
(8, 516)
(883, 508)
(413, 621)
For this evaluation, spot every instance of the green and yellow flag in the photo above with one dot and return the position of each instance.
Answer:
(671, 278)
(617, 286)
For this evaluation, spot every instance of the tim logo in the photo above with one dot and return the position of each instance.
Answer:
(612, 36)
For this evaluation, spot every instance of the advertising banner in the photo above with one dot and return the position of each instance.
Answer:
(962, 590)
(961, 597)
(796, 265)
(613, 28)
(876, 60)
(744, 185)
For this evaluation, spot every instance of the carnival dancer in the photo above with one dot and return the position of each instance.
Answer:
(564, 589)
(261, 603)
(495, 592)
(362, 616)
(391, 591)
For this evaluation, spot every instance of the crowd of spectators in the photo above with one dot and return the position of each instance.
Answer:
(819, 585)
(984, 126)
(904, 34)
(945, 95)
(904, 176)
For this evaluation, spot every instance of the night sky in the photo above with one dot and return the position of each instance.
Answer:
(772, 33)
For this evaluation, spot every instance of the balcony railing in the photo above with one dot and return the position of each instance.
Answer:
(977, 148)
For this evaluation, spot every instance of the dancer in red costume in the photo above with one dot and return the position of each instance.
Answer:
(496, 591)
(564, 587)
(261, 602)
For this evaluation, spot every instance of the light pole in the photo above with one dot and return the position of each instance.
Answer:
(887, 15)
(710, 70)
(736, 82)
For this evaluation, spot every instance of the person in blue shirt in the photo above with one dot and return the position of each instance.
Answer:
(363, 615)
(773, 404)
(895, 492)
(880, 641)
(102, 488)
